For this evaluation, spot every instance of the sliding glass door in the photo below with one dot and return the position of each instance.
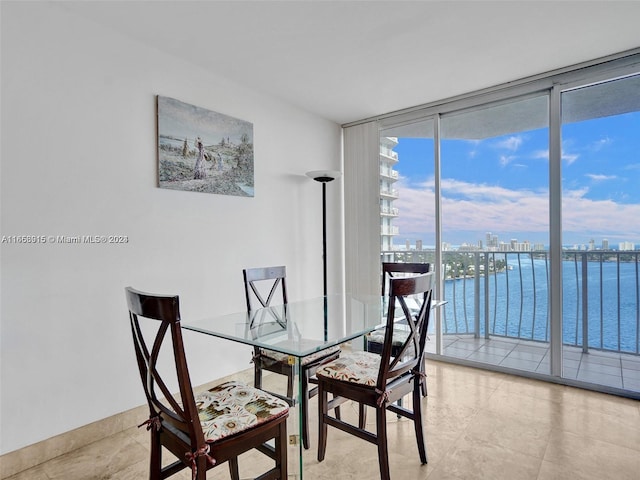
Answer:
(600, 233)
(407, 195)
(495, 233)
(525, 200)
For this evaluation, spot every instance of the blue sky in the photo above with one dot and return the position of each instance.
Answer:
(500, 185)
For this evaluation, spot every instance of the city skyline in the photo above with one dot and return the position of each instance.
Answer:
(517, 245)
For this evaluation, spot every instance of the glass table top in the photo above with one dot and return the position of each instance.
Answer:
(298, 328)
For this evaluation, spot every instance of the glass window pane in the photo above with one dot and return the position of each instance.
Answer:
(407, 196)
(495, 231)
(600, 231)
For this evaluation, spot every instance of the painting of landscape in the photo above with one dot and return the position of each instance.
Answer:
(200, 150)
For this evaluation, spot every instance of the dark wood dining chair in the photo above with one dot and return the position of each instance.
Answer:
(375, 339)
(204, 430)
(262, 286)
(379, 380)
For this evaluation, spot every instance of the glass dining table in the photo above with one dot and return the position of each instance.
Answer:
(297, 330)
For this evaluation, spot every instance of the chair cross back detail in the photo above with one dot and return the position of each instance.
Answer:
(390, 269)
(257, 282)
(254, 275)
(191, 426)
(375, 341)
(165, 310)
(413, 347)
(380, 380)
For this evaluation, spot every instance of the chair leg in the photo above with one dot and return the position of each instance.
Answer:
(423, 380)
(155, 465)
(383, 451)
(281, 451)
(323, 409)
(202, 469)
(257, 374)
(290, 376)
(304, 408)
(417, 422)
(362, 416)
(233, 468)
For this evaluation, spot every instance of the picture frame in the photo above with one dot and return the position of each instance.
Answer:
(200, 150)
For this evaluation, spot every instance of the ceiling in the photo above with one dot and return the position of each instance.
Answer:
(350, 60)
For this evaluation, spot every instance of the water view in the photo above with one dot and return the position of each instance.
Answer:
(518, 302)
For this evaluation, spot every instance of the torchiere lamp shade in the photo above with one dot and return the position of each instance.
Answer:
(324, 176)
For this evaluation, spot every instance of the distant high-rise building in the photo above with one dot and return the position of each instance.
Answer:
(388, 194)
(492, 241)
(605, 244)
(592, 244)
(418, 244)
(626, 246)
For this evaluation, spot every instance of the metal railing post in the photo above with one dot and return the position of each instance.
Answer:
(486, 295)
(476, 294)
(585, 305)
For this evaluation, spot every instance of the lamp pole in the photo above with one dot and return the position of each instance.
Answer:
(324, 177)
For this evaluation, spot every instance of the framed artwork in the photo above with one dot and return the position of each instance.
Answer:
(203, 151)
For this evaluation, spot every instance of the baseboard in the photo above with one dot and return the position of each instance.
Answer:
(17, 461)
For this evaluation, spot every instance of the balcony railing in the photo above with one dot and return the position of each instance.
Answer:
(391, 211)
(389, 192)
(389, 172)
(506, 294)
(389, 230)
(387, 152)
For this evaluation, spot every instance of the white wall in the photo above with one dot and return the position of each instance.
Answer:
(78, 158)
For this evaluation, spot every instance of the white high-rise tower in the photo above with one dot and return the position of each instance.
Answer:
(388, 194)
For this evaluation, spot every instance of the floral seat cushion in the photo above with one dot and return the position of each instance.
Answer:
(399, 336)
(356, 367)
(284, 358)
(234, 407)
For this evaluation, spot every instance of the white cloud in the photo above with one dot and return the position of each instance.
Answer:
(570, 158)
(599, 144)
(480, 208)
(544, 155)
(600, 178)
(476, 191)
(506, 159)
(540, 154)
(512, 143)
(575, 193)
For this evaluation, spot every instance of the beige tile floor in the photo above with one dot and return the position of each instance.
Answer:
(609, 369)
(479, 425)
